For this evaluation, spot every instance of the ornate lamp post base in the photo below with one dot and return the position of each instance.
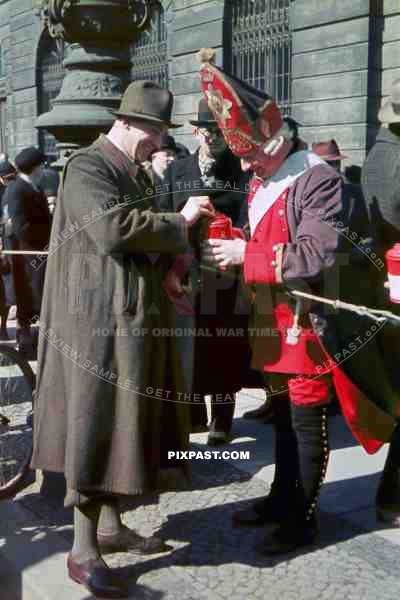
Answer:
(97, 65)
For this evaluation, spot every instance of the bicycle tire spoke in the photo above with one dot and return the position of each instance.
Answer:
(16, 424)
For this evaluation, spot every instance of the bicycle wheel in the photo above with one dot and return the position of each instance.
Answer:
(17, 382)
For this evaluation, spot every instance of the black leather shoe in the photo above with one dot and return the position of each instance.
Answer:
(97, 578)
(268, 510)
(388, 493)
(129, 540)
(388, 497)
(288, 537)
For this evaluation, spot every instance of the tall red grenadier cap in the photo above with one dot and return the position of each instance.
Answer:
(247, 117)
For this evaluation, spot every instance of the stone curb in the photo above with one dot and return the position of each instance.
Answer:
(37, 559)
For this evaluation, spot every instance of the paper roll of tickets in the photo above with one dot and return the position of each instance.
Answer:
(393, 267)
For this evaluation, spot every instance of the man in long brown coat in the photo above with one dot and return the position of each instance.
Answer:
(109, 379)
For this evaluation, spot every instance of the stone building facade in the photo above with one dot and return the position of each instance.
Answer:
(329, 62)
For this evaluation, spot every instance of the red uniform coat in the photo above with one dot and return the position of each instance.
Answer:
(296, 246)
(271, 350)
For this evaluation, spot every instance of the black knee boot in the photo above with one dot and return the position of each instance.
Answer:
(276, 507)
(310, 427)
(280, 501)
(388, 493)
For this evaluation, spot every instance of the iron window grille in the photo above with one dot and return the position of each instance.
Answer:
(149, 54)
(258, 40)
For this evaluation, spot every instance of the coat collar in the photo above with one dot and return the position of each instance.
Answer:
(27, 182)
(267, 194)
(116, 156)
(385, 135)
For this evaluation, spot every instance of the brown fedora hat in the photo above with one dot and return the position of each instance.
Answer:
(390, 111)
(147, 101)
(327, 150)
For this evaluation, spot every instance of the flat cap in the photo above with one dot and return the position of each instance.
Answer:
(29, 158)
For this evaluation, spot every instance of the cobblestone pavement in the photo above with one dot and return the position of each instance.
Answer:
(212, 560)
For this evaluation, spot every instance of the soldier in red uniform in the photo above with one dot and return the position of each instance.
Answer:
(297, 217)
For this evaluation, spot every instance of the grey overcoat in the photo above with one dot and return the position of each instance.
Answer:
(108, 379)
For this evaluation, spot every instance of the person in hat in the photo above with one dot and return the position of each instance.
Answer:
(27, 229)
(162, 158)
(294, 199)
(7, 172)
(329, 152)
(264, 413)
(380, 180)
(7, 294)
(218, 360)
(107, 410)
(380, 173)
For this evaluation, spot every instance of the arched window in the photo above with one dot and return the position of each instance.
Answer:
(50, 74)
(149, 54)
(259, 45)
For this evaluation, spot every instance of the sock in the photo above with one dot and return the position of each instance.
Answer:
(110, 519)
(85, 545)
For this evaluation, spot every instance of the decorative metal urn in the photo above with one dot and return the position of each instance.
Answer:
(97, 63)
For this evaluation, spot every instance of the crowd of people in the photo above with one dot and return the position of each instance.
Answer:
(27, 195)
(142, 257)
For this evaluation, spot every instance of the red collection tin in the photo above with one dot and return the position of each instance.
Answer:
(220, 227)
(393, 267)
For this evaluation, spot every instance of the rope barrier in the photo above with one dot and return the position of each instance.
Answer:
(380, 316)
(27, 252)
